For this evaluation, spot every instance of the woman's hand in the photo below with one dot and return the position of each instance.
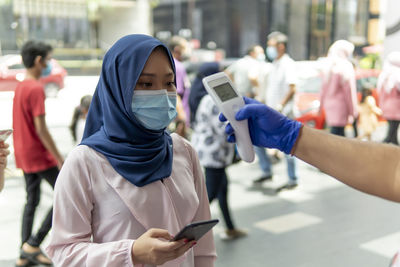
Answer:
(149, 248)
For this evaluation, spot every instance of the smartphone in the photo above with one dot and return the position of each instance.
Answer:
(196, 230)
(4, 134)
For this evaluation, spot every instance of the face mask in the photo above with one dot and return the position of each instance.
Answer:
(46, 71)
(272, 53)
(261, 57)
(155, 109)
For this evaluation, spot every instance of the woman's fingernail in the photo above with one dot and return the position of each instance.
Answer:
(186, 241)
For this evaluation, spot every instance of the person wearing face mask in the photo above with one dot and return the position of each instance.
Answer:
(339, 92)
(281, 88)
(35, 151)
(130, 185)
(244, 72)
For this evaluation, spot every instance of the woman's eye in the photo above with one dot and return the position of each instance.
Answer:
(145, 85)
(170, 83)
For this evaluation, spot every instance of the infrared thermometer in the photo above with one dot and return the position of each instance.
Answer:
(229, 101)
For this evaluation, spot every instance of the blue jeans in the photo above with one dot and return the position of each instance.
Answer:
(291, 169)
(263, 160)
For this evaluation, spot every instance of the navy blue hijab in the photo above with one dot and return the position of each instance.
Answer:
(197, 91)
(139, 155)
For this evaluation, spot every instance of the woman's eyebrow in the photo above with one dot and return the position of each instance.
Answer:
(148, 74)
(170, 74)
(152, 74)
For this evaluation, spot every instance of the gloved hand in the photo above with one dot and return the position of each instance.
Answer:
(267, 127)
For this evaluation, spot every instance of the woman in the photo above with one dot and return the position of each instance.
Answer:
(209, 140)
(339, 93)
(130, 185)
(389, 95)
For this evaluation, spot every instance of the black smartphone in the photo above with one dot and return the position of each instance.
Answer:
(196, 230)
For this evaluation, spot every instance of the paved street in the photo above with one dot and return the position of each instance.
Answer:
(320, 223)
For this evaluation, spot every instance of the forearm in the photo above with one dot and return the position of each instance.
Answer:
(117, 253)
(369, 167)
(204, 261)
(49, 144)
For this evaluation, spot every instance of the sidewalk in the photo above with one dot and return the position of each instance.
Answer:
(320, 223)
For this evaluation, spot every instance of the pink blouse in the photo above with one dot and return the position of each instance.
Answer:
(389, 102)
(98, 215)
(339, 94)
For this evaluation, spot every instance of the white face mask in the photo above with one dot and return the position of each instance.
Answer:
(272, 52)
(261, 57)
(155, 109)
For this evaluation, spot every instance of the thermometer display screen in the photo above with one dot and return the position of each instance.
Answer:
(225, 92)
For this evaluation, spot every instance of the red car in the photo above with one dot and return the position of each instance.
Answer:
(307, 104)
(13, 71)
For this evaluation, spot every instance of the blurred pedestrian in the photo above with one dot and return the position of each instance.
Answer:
(368, 113)
(339, 92)
(389, 95)
(244, 72)
(179, 49)
(129, 185)
(3, 162)
(281, 89)
(209, 140)
(35, 151)
(79, 118)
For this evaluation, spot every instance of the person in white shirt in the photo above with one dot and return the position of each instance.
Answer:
(281, 88)
(244, 72)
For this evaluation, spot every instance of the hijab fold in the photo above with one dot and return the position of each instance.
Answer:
(389, 78)
(139, 155)
(338, 60)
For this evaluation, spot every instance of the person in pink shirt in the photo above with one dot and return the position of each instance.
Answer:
(130, 186)
(389, 95)
(339, 92)
(178, 47)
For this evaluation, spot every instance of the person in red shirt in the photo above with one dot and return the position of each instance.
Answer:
(35, 151)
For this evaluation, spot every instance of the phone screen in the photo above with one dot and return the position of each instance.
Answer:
(196, 230)
(225, 92)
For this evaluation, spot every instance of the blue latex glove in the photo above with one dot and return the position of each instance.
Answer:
(268, 128)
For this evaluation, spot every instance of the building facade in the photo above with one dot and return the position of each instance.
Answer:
(72, 24)
(235, 25)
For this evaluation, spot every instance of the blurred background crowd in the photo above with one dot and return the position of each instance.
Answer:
(331, 64)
